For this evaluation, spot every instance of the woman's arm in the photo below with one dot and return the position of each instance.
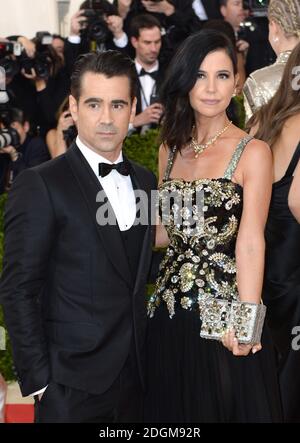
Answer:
(250, 245)
(256, 165)
(161, 239)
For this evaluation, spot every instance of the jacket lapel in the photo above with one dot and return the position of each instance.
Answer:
(109, 234)
(146, 249)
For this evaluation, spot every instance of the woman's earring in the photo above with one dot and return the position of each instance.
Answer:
(234, 94)
(275, 39)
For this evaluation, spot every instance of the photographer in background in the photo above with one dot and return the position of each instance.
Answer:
(177, 19)
(50, 77)
(59, 139)
(97, 26)
(250, 24)
(23, 150)
(20, 91)
(145, 36)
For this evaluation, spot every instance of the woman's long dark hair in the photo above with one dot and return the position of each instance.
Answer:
(270, 118)
(181, 78)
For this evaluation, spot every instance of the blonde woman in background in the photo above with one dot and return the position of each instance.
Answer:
(284, 34)
(277, 123)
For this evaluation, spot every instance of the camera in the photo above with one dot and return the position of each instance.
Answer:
(42, 62)
(154, 98)
(96, 29)
(8, 48)
(8, 53)
(16, 59)
(9, 136)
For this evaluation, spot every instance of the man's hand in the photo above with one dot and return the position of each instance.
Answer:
(76, 23)
(242, 46)
(11, 151)
(115, 25)
(163, 7)
(152, 114)
(230, 342)
(123, 7)
(28, 45)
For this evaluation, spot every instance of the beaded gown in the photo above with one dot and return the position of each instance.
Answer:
(191, 379)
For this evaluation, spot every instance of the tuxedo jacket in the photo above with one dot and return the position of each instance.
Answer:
(212, 9)
(159, 81)
(71, 305)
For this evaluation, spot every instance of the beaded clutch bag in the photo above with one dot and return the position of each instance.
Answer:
(245, 318)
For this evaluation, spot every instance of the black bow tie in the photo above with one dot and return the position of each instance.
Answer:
(152, 74)
(122, 167)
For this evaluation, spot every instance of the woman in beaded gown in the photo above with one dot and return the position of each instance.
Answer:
(218, 194)
(282, 270)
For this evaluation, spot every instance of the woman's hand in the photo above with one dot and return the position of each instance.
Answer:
(230, 342)
(64, 122)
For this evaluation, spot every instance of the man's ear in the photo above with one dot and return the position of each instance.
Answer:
(73, 107)
(133, 110)
(223, 11)
(133, 41)
(26, 126)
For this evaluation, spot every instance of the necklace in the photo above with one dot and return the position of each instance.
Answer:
(199, 148)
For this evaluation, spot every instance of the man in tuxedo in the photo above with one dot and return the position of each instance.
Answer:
(73, 283)
(145, 36)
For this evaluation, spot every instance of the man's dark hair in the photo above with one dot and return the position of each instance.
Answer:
(143, 21)
(223, 3)
(108, 63)
(17, 115)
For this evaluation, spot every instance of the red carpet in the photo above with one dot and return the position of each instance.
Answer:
(19, 413)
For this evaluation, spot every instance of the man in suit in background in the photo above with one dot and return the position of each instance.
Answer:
(146, 39)
(73, 285)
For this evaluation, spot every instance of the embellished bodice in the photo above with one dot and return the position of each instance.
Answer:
(202, 219)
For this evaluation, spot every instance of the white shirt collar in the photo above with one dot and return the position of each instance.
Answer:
(139, 67)
(93, 158)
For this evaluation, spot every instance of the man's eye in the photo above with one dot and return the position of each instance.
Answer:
(94, 105)
(118, 106)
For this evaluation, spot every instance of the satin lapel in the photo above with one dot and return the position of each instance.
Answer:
(109, 234)
(146, 250)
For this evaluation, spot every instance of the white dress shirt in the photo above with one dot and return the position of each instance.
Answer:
(199, 10)
(118, 189)
(147, 83)
(116, 186)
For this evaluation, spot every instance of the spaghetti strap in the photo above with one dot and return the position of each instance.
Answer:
(293, 162)
(171, 157)
(236, 157)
